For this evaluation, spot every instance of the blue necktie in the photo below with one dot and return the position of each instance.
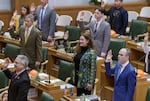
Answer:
(41, 18)
(119, 72)
(95, 28)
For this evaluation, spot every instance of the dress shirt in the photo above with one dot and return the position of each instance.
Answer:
(123, 66)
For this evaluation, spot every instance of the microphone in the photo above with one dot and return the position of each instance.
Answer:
(140, 58)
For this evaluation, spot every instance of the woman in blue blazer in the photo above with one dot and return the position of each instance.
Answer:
(85, 65)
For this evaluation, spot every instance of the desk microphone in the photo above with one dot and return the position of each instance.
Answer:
(140, 58)
(49, 79)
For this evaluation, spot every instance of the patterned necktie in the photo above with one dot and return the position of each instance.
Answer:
(26, 34)
(41, 18)
(119, 71)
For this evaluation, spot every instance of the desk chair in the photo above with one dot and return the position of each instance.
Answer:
(62, 22)
(46, 97)
(74, 34)
(115, 45)
(44, 58)
(137, 28)
(11, 51)
(148, 94)
(132, 15)
(3, 81)
(65, 72)
(145, 12)
(87, 15)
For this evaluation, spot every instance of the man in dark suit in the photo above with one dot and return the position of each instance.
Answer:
(46, 17)
(124, 75)
(100, 31)
(31, 42)
(20, 82)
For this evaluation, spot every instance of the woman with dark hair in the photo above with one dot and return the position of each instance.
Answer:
(85, 65)
(18, 20)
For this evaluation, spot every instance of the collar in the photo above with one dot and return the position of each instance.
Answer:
(123, 66)
(99, 22)
(45, 6)
(30, 28)
(18, 73)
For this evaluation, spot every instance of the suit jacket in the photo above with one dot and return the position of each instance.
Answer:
(19, 86)
(87, 69)
(101, 38)
(123, 86)
(48, 27)
(33, 47)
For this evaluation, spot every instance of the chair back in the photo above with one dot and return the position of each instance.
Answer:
(64, 20)
(148, 94)
(57, 16)
(4, 80)
(46, 97)
(74, 33)
(115, 45)
(138, 27)
(87, 15)
(145, 12)
(44, 53)
(132, 15)
(65, 70)
(11, 51)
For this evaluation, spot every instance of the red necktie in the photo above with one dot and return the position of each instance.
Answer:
(14, 76)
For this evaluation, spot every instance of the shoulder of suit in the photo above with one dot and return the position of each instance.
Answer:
(91, 51)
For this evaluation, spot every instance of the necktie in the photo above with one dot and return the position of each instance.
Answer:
(95, 28)
(119, 72)
(26, 35)
(41, 18)
(14, 76)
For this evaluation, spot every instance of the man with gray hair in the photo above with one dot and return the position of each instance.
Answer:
(20, 82)
(31, 42)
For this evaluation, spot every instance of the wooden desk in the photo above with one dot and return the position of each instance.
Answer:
(54, 89)
(137, 54)
(108, 84)
(53, 55)
(4, 40)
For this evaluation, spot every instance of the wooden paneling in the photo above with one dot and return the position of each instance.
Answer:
(5, 16)
(70, 10)
(18, 3)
